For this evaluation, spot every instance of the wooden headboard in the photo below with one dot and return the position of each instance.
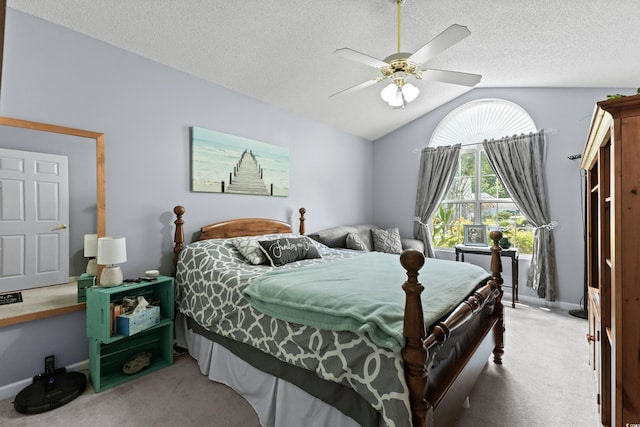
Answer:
(231, 228)
(243, 227)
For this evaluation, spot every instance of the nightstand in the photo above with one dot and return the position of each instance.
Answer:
(109, 351)
(512, 253)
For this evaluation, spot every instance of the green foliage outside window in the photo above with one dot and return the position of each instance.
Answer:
(493, 207)
(448, 229)
(446, 234)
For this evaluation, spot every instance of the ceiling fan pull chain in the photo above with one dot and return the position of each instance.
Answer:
(399, 5)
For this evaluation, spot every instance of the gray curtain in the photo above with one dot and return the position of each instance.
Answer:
(437, 170)
(519, 162)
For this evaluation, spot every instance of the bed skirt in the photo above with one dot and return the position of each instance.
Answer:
(277, 402)
(268, 384)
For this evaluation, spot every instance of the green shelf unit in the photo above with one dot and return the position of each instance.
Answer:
(99, 299)
(106, 360)
(107, 354)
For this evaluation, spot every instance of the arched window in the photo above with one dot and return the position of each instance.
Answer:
(477, 195)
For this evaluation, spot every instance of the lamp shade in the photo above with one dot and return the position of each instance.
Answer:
(112, 250)
(399, 93)
(410, 92)
(398, 100)
(90, 245)
(389, 92)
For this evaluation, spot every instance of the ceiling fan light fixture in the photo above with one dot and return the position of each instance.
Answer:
(399, 93)
(398, 100)
(392, 95)
(410, 92)
(389, 92)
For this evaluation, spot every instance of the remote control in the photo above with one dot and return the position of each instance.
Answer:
(49, 365)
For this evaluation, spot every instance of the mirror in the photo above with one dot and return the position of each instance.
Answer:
(34, 136)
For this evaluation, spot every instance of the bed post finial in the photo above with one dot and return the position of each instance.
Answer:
(302, 212)
(414, 354)
(178, 238)
(496, 263)
(496, 277)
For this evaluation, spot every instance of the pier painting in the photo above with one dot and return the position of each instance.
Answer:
(223, 163)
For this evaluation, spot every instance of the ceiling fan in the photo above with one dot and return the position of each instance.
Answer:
(401, 66)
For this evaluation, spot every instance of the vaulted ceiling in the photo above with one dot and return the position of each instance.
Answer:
(281, 51)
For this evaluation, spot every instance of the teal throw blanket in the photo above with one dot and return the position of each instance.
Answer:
(362, 294)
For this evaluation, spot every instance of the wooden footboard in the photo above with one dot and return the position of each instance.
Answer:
(419, 342)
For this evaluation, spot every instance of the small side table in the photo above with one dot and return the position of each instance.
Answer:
(512, 253)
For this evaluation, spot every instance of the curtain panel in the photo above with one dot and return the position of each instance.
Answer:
(519, 162)
(437, 169)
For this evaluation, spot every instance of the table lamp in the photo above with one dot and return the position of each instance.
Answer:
(111, 251)
(91, 251)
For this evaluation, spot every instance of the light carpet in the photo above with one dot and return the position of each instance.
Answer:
(545, 381)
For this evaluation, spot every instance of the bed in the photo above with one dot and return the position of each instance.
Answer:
(321, 371)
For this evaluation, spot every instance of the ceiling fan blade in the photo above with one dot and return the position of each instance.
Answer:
(439, 43)
(453, 77)
(365, 59)
(355, 88)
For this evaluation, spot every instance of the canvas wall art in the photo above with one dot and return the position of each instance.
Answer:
(223, 163)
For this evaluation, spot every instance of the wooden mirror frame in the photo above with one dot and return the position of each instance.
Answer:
(3, 18)
(100, 196)
(97, 136)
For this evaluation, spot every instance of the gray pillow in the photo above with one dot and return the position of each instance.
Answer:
(283, 251)
(386, 240)
(355, 242)
(334, 237)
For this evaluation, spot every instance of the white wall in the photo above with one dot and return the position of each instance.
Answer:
(568, 111)
(57, 76)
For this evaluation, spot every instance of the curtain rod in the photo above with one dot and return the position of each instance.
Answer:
(550, 131)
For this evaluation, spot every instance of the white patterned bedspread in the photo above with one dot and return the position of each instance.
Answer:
(211, 276)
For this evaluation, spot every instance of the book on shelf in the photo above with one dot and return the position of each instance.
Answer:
(116, 308)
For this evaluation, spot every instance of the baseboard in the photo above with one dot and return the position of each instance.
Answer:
(540, 302)
(10, 391)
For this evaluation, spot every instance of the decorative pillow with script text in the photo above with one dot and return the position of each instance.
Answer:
(283, 251)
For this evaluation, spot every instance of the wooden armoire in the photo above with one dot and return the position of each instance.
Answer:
(612, 163)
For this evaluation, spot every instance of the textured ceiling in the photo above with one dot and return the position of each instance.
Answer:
(281, 51)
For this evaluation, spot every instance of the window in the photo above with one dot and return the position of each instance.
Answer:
(477, 195)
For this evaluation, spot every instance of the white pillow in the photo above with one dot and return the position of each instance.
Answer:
(249, 248)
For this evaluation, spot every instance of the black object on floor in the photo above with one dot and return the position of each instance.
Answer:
(50, 391)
